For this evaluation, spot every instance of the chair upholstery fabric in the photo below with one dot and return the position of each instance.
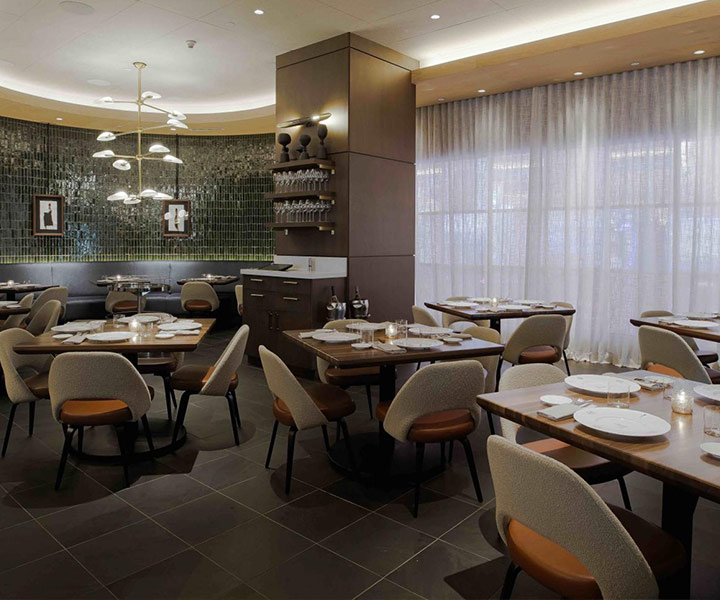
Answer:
(666, 348)
(199, 290)
(422, 316)
(666, 313)
(17, 320)
(227, 365)
(115, 298)
(59, 293)
(323, 365)
(239, 299)
(46, 318)
(539, 330)
(14, 365)
(333, 402)
(488, 362)
(568, 322)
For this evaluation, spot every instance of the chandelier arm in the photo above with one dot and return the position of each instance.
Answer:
(162, 110)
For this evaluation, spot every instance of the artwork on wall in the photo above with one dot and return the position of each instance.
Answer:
(48, 216)
(176, 218)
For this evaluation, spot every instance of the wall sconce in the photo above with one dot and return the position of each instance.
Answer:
(307, 121)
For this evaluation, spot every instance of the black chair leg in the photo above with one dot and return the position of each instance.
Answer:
(11, 418)
(497, 374)
(81, 437)
(180, 417)
(31, 418)
(624, 492)
(290, 453)
(148, 433)
(491, 423)
(471, 465)
(326, 439)
(63, 457)
(228, 397)
(567, 365)
(235, 408)
(368, 392)
(442, 453)
(168, 398)
(450, 452)
(348, 445)
(272, 444)
(419, 455)
(509, 583)
(122, 442)
(172, 397)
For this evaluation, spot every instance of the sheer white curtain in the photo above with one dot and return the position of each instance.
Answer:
(603, 192)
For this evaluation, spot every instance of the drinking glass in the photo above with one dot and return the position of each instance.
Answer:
(368, 336)
(617, 398)
(116, 320)
(402, 328)
(711, 418)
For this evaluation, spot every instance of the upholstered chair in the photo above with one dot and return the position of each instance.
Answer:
(489, 363)
(450, 320)
(46, 318)
(592, 468)
(59, 293)
(123, 303)
(568, 322)
(198, 297)
(239, 299)
(666, 352)
(562, 534)
(436, 405)
(26, 377)
(90, 389)
(219, 380)
(303, 407)
(18, 320)
(422, 316)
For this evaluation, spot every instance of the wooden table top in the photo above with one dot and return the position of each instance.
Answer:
(214, 280)
(675, 457)
(344, 355)
(45, 344)
(712, 335)
(25, 287)
(6, 311)
(482, 313)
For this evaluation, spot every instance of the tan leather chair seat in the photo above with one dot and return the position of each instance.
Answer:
(125, 306)
(663, 370)
(38, 385)
(198, 306)
(333, 402)
(706, 356)
(539, 354)
(557, 569)
(441, 426)
(354, 376)
(156, 365)
(192, 378)
(94, 412)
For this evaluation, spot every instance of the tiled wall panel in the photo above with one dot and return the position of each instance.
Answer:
(222, 177)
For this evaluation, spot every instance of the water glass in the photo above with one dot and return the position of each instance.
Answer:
(116, 320)
(711, 419)
(402, 328)
(368, 336)
(617, 399)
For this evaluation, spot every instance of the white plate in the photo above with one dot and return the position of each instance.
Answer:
(529, 302)
(700, 315)
(452, 340)
(6, 303)
(553, 400)
(62, 336)
(179, 326)
(165, 336)
(709, 392)
(429, 330)
(693, 324)
(73, 328)
(362, 346)
(140, 319)
(336, 337)
(598, 384)
(460, 303)
(512, 307)
(482, 300)
(417, 343)
(712, 448)
(366, 326)
(111, 336)
(622, 421)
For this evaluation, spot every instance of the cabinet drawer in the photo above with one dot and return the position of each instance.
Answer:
(292, 287)
(294, 303)
(255, 282)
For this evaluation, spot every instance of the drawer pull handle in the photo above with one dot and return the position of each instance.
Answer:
(255, 279)
(258, 295)
(291, 282)
(291, 298)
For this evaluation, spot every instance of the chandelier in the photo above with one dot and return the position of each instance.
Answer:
(123, 162)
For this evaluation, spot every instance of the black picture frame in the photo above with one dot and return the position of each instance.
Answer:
(48, 215)
(176, 227)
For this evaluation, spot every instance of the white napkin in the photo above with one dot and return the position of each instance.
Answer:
(76, 339)
(186, 332)
(389, 348)
(309, 334)
(560, 411)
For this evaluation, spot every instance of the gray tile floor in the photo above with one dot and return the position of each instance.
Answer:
(211, 522)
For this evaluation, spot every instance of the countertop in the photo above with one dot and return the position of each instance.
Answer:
(294, 274)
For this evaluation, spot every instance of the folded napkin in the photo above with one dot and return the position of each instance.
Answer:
(186, 331)
(560, 411)
(309, 334)
(462, 336)
(76, 339)
(389, 348)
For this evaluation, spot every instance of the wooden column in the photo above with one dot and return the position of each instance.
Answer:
(371, 139)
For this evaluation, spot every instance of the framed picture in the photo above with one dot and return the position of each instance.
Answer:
(176, 218)
(48, 216)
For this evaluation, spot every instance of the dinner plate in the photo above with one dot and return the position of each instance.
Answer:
(700, 316)
(430, 330)
(598, 384)
(529, 302)
(709, 392)
(512, 306)
(140, 319)
(460, 303)
(179, 326)
(62, 336)
(481, 300)
(166, 335)
(418, 343)
(695, 324)
(111, 337)
(366, 326)
(711, 448)
(362, 346)
(6, 303)
(554, 399)
(622, 421)
(73, 328)
(452, 340)
(336, 337)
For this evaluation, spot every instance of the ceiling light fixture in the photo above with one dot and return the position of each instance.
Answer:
(123, 162)
(307, 121)
(699, 52)
(577, 73)
(634, 64)
(434, 17)
(58, 118)
(259, 11)
(481, 91)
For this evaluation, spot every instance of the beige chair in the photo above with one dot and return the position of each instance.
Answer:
(436, 405)
(489, 363)
(592, 468)
(568, 322)
(123, 302)
(562, 534)
(706, 356)
(26, 377)
(218, 380)
(91, 389)
(59, 293)
(198, 297)
(300, 408)
(345, 378)
(422, 316)
(666, 352)
(239, 299)
(46, 318)
(450, 320)
(17, 320)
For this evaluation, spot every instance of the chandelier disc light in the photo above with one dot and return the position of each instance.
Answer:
(124, 162)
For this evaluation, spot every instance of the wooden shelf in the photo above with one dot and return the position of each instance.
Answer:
(319, 225)
(308, 194)
(308, 163)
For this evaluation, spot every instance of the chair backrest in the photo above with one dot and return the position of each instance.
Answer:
(286, 387)
(17, 320)
(568, 322)
(113, 298)
(526, 376)
(227, 365)
(442, 386)
(662, 347)
(488, 362)
(422, 316)
(59, 293)
(666, 313)
(13, 363)
(97, 376)
(199, 290)
(540, 330)
(549, 498)
(322, 365)
(45, 318)
(447, 319)
(239, 298)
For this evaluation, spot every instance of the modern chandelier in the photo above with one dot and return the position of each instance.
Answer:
(123, 162)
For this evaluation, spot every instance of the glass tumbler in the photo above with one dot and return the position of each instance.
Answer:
(116, 320)
(368, 336)
(617, 398)
(402, 328)
(711, 420)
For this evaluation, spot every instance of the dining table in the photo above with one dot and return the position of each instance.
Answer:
(7, 310)
(711, 334)
(213, 280)
(495, 314)
(12, 288)
(675, 459)
(139, 285)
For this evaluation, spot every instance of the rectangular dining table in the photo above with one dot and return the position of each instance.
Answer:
(6, 311)
(11, 291)
(711, 335)
(675, 459)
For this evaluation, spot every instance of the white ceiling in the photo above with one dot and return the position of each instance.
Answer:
(72, 53)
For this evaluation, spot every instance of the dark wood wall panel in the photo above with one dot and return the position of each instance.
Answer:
(389, 282)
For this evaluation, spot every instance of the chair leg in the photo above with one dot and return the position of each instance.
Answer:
(509, 583)
(235, 408)
(11, 418)
(168, 398)
(180, 417)
(491, 423)
(272, 444)
(497, 374)
(148, 433)
(567, 365)
(122, 443)
(172, 397)
(471, 465)
(326, 439)
(450, 452)
(290, 453)
(624, 492)
(442, 453)
(81, 437)
(368, 392)
(419, 455)
(228, 397)
(63, 457)
(31, 418)
(348, 444)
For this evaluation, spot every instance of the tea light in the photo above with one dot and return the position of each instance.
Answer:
(10, 282)
(494, 302)
(391, 330)
(683, 403)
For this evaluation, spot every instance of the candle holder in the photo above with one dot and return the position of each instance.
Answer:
(683, 403)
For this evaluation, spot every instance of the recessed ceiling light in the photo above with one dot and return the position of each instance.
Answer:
(577, 73)
(441, 99)
(99, 82)
(634, 64)
(77, 8)
(699, 52)
(259, 11)
(434, 17)
(481, 91)
(58, 118)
